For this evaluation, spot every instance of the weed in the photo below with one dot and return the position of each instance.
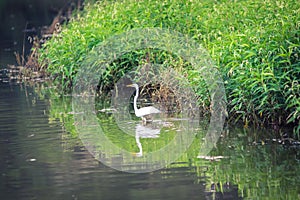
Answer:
(254, 43)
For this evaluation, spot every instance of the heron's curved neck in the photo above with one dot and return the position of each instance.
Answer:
(135, 99)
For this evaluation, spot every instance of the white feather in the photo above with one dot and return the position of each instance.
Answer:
(145, 111)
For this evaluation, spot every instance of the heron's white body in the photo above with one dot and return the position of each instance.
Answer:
(145, 111)
(140, 112)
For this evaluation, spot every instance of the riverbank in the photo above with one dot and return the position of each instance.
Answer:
(255, 45)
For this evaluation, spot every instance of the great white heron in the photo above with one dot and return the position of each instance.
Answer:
(144, 112)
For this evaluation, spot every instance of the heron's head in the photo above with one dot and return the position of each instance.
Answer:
(133, 85)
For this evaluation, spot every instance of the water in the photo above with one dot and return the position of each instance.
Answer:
(40, 160)
(42, 157)
(21, 20)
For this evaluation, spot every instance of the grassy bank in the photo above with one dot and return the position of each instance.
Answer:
(254, 43)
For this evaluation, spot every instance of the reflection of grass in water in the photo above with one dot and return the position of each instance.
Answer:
(266, 171)
(127, 142)
(154, 144)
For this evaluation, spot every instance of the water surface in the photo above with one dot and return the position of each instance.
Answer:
(43, 158)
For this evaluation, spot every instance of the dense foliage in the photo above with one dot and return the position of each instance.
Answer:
(254, 43)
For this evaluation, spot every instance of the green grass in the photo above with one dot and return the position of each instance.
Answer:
(254, 43)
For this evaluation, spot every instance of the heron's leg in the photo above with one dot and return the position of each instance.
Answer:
(144, 120)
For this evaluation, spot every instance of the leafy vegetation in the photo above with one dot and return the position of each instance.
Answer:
(254, 43)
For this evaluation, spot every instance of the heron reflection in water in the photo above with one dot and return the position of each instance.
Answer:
(142, 131)
(144, 112)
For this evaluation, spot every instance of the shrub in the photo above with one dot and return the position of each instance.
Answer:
(254, 43)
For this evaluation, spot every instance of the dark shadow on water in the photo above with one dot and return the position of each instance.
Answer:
(20, 21)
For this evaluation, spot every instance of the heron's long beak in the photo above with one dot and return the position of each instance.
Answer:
(130, 85)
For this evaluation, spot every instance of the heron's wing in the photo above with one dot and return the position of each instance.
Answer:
(147, 111)
(152, 110)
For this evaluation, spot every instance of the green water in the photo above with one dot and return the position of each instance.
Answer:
(43, 158)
